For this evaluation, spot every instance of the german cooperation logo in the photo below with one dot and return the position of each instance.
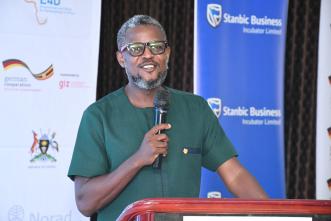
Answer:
(248, 115)
(15, 63)
(16, 78)
(41, 145)
(250, 24)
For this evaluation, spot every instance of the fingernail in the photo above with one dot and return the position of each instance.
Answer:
(169, 126)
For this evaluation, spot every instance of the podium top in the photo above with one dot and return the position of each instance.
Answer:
(192, 206)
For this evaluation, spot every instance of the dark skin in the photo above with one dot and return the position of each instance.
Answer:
(96, 192)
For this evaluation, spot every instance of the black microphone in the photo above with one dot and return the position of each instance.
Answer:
(161, 106)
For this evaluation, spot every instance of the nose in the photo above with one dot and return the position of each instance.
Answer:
(147, 53)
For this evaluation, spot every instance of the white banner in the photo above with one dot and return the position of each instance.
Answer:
(48, 71)
(323, 113)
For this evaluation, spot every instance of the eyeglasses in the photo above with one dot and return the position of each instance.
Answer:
(138, 48)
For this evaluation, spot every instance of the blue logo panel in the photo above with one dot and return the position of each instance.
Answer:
(240, 49)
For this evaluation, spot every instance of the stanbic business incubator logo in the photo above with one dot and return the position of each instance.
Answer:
(40, 147)
(248, 115)
(251, 24)
(216, 105)
(214, 14)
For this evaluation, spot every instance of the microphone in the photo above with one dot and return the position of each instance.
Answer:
(161, 106)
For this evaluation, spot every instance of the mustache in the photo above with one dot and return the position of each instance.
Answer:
(148, 62)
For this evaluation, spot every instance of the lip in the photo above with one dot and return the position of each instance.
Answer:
(148, 63)
(148, 66)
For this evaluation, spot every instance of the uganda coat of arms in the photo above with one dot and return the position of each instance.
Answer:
(41, 145)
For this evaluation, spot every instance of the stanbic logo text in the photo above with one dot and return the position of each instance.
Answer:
(242, 111)
(215, 16)
(252, 20)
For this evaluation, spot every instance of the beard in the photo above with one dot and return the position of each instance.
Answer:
(147, 85)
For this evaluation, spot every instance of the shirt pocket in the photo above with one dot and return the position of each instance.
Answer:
(185, 171)
(191, 150)
(191, 157)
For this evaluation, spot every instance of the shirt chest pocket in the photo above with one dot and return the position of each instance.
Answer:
(191, 157)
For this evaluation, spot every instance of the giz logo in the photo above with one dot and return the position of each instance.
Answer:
(40, 147)
(216, 105)
(214, 14)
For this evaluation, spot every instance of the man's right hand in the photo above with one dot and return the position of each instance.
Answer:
(94, 193)
(153, 145)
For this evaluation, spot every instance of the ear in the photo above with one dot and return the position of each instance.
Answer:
(168, 51)
(120, 59)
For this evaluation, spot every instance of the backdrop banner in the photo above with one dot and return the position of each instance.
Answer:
(323, 116)
(48, 72)
(239, 70)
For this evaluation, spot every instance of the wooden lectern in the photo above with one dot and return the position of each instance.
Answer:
(181, 209)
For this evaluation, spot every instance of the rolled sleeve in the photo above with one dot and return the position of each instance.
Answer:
(217, 147)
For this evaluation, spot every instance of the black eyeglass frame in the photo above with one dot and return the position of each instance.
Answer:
(144, 44)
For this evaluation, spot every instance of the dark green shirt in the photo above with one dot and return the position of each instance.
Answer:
(112, 129)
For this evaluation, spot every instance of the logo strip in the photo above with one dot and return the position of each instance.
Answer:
(12, 63)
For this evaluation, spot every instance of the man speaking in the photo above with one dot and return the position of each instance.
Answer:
(119, 140)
